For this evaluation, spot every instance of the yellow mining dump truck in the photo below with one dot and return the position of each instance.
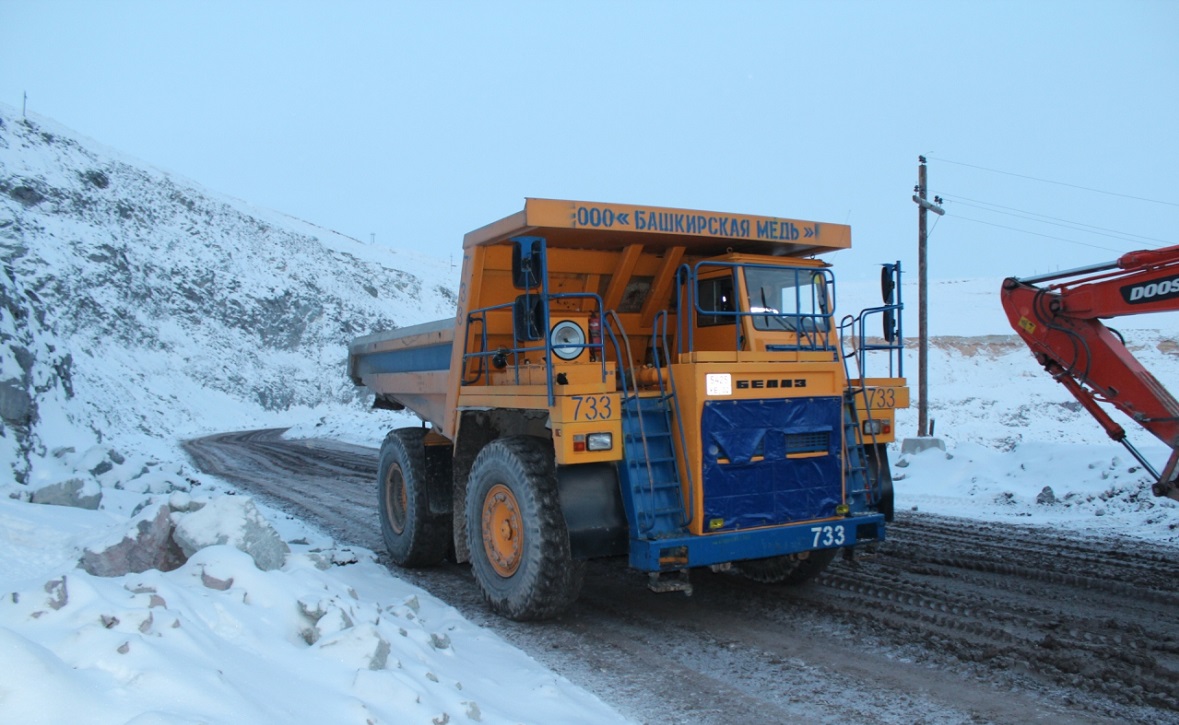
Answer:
(620, 380)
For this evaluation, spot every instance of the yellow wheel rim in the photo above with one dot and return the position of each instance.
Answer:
(503, 535)
(396, 500)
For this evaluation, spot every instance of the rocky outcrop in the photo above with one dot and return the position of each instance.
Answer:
(112, 272)
(147, 545)
(164, 536)
(72, 492)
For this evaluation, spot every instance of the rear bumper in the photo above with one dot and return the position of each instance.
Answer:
(681, 552)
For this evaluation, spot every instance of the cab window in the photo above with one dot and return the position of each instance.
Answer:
(716, 295)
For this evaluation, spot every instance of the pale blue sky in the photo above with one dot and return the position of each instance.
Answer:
(421, 121)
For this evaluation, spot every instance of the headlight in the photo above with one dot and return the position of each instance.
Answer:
(593, 442)
(599, 441)
(876, 426)
(567, 340)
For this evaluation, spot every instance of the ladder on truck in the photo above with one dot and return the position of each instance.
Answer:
(650, 473)
(862, 483)
(650, 476)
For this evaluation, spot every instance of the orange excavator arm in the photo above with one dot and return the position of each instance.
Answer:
(1061, 323)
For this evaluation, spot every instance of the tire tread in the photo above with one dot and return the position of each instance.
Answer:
(426, 538)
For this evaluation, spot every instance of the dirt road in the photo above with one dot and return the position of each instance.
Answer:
(949, 621)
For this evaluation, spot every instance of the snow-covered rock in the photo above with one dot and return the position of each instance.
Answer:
(358, 647)
(71, 492)
(232, 520)
(147, 545)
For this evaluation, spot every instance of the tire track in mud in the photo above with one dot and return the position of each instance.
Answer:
(950, 620)
(330, 484)
(1107, 631)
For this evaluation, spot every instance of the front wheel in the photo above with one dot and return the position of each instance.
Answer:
(518, 540)
(790, 570)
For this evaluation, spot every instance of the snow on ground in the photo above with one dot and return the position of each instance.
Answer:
(328, 636)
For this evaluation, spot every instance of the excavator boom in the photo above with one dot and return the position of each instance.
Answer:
(1062, 324)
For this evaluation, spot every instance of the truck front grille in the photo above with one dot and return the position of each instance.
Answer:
(808, 442)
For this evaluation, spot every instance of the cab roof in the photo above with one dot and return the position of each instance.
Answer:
(603, 226)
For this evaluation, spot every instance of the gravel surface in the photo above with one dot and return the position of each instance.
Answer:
(949, 621)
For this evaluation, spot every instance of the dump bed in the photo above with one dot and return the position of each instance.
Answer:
(626, 253)
(406, 368)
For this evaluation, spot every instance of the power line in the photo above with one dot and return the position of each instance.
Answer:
(1059, 183)
(1037, 234)
(1065, 223)
(1054, 218)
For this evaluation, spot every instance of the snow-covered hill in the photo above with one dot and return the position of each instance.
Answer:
(134, 302)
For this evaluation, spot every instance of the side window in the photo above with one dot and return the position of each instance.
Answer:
(716, 295)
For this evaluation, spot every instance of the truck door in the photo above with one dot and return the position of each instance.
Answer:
(715, 314)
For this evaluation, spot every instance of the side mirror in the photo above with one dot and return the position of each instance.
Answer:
(890, 325)
(528, 318)
(527, 263)
(887, 284)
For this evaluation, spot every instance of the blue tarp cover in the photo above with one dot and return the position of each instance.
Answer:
(742, 493)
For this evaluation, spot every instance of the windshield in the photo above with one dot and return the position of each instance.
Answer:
(791, 299)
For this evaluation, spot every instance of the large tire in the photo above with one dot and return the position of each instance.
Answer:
(879, 470)
(788, 570)
(516, 533)
(413, 534)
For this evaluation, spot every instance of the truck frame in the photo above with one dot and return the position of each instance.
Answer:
(662, 384)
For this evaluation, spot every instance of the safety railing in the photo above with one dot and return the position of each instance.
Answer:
(892, 344)
(667, 392)
(533, 310)
(668, 402)
(891, 340)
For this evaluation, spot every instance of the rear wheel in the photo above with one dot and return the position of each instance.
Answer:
(518, 540)
(879, 470)
(413, 534)
(790, 570)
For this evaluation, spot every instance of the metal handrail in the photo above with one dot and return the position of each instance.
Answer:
(608, 327)
(659, 335)
(479, 316)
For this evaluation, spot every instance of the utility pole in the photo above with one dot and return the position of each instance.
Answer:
(923, 298)
(24, 106)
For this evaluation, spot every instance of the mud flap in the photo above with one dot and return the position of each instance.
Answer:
(592, 505)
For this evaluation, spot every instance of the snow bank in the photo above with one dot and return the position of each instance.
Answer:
(1097, 489)
(320, 634)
